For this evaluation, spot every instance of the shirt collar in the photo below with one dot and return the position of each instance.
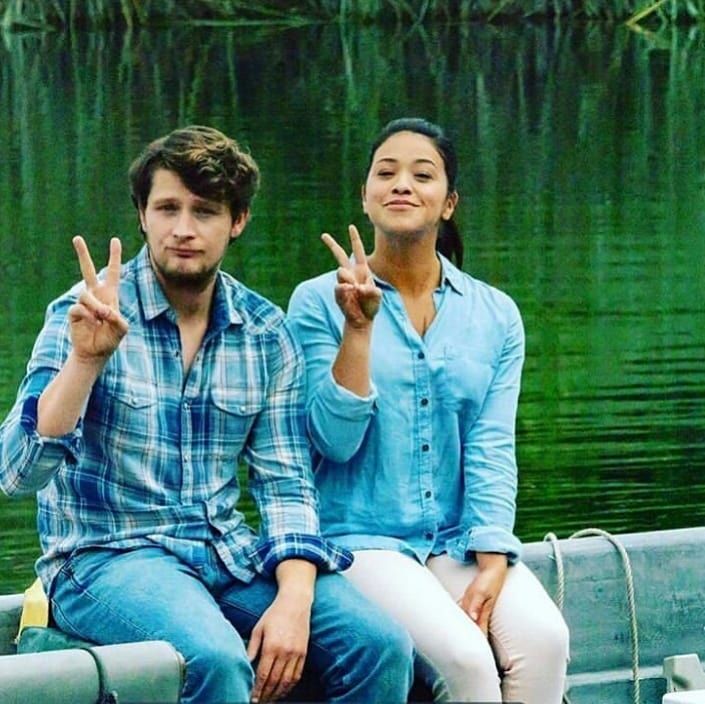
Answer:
(154, 302)
(450, 276)
(152, 297)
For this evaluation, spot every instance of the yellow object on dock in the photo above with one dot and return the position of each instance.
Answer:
(35, 608)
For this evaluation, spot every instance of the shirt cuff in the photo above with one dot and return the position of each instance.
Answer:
(485, 539)
(339, 401)
(266, 554)
(71, 442)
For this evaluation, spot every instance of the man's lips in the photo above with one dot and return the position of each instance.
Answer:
(179, 252)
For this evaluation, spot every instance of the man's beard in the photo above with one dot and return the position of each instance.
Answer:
(191, 280)
(194, 281)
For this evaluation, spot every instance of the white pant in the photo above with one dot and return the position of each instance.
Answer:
(526, 656)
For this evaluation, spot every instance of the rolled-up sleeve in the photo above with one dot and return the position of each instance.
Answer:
(281, 480)
(337, 419)
(327, 556)
(28, 460)
(489, 457)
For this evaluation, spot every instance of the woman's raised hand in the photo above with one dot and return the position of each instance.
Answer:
(356, 294)
(96, 324)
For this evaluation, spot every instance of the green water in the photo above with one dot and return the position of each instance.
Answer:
(582, 195)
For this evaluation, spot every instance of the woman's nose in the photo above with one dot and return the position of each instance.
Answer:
(401, 184)
(401, 187)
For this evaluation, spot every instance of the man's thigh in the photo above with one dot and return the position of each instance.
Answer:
(340, 613)
(344, 623)
(118, 596)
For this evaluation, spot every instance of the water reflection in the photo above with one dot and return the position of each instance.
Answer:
(582, 160)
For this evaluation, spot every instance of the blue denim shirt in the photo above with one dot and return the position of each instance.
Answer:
(425, 464)
(154, 457)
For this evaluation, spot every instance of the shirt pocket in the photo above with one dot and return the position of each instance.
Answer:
(126, 406)
(464, 380)
(233, 413)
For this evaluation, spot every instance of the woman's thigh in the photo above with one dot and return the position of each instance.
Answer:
(446, 638)
(526, 629)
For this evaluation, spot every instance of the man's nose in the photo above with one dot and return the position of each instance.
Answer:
(184, 226)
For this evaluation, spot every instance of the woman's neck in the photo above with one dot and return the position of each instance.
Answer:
(413, 268)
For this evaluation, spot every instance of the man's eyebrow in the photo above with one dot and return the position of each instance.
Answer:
(197, 200)
(164, 199)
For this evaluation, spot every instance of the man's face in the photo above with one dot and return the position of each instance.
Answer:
(187, 235)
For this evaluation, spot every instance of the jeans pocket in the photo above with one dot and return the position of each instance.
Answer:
(83, 565)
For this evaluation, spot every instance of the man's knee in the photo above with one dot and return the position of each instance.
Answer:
(218, 672)
(385, 639)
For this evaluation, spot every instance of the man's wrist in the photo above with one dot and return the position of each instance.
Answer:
(296, 578)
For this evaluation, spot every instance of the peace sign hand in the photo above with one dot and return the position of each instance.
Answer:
(96, 324)
(356, 294)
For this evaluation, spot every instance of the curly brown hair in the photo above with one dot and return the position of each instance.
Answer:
(210, 164)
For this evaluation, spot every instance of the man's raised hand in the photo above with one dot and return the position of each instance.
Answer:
(96, 324)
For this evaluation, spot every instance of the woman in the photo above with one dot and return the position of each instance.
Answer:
(413, 373)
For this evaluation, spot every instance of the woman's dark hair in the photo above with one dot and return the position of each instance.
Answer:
(449, 243)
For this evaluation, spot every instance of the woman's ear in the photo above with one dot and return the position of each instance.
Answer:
(363, 195)
(449, 208)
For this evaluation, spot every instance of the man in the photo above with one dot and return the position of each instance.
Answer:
(145, 387)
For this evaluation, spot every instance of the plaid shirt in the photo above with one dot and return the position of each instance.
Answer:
(154, 457)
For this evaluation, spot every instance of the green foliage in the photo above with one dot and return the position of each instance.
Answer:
(46, 14)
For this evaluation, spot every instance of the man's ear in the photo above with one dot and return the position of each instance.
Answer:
(239, 224)
(140, 215)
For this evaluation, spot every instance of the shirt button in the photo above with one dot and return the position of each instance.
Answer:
(428, 494)
(424, 402)
(421, 355)
(428, 536)
(425, 447)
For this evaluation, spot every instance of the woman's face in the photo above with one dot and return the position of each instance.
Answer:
(406, 191)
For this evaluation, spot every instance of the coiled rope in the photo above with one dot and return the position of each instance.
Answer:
(631, 601)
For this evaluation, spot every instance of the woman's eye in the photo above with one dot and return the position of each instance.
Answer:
(423, 176)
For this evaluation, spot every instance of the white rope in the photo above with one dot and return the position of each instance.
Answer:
(631, 601)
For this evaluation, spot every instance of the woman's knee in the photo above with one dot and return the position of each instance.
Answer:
(550, 639)
(542, 645)
(470, 660)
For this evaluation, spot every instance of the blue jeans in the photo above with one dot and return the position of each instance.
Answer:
(356, 652)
